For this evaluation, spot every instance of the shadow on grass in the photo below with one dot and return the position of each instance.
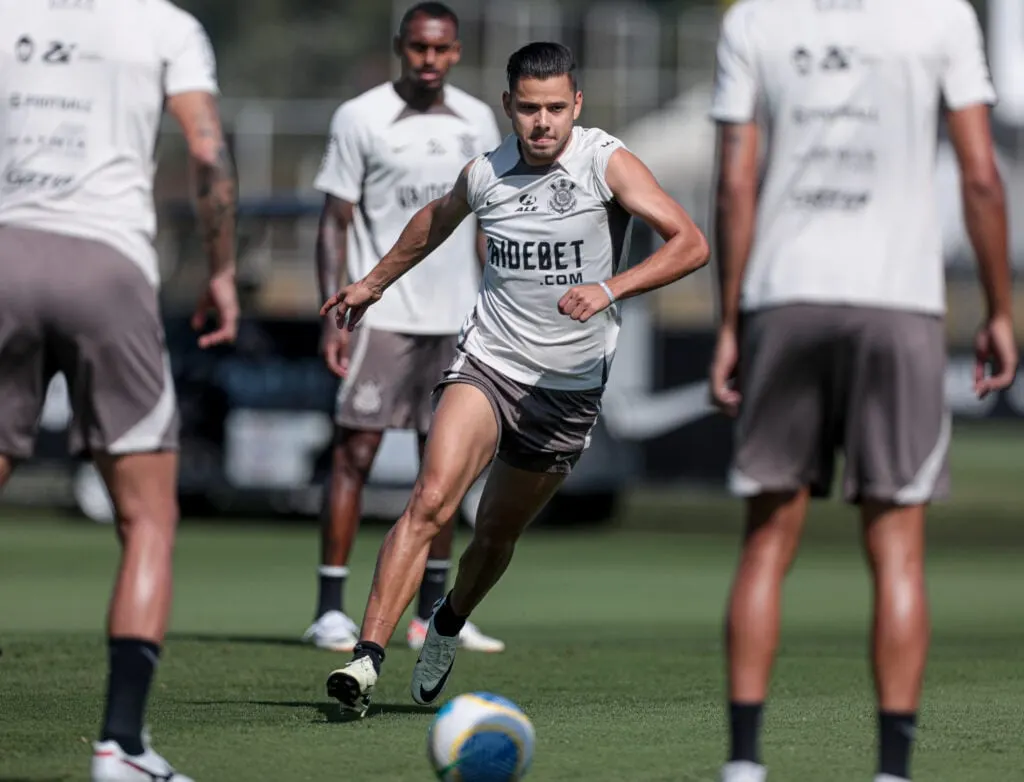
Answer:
(258, 640)
(329, 710)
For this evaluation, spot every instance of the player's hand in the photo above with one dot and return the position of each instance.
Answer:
(583, 302)
(334, 347)
(995, 349)
(221, 296)
(721, 382)
(351, 302)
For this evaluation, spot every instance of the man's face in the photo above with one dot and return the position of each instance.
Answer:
(428, 50)
(543, 112)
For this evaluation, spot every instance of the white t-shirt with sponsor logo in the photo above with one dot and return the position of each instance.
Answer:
(391, 161)
(548, 230)
(848, 92)
(82, 88)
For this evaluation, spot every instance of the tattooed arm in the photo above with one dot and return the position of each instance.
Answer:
(213, 175)
(215, 193)
(332, 245)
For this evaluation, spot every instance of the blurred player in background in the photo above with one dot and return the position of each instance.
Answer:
(555, 203)
(832, 308)
(393, 150)
(81, 108)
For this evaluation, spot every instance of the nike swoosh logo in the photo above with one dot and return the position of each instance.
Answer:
(428, 696)
(637, 414)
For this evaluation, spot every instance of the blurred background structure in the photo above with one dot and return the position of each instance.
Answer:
(257, 418)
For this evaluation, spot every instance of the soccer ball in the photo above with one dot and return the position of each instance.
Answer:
(480, 737)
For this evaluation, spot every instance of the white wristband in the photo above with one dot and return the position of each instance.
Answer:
(606, 289)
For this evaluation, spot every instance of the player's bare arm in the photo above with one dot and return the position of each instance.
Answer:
(985, 215)
(426, 231)
(332, 274)
(685, 250)
(215, 193)
(735, 216)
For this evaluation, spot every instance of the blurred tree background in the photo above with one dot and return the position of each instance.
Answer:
(315, 48)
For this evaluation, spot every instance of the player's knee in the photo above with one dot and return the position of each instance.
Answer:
(139, 516)
(495, 538)
(431, 505)
(355, 456)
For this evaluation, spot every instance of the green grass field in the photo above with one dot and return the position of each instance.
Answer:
(614, 648)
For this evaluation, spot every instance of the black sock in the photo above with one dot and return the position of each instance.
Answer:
(371, 650)
(332, 589)
(435, 579)
(895, 737)
(446, 621)
(745, 731)
(132, 662)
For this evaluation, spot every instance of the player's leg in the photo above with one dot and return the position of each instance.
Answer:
(781, 453)
(351, 460)
(511, 500)
(370, 400)
(462, 440)
(435, 576)
(545, 433)
(143, 489)
(107, 337)
(894, 541)
(436, 354)
(898, 438)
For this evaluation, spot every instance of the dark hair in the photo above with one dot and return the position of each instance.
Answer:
(431, 10)
(541, 60)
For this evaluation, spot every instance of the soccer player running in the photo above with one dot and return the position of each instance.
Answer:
(832, 309)
(393, 150)
(555, 203)
(84, 88)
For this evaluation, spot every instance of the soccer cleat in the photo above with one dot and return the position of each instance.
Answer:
(470, 639)
(334, 631)
(110, 763)
(744, 771)
(434, 665)
(352, 685)
(889, 778)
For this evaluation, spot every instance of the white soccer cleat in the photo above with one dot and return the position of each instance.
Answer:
(110, 763)
(353, 684)
(889, 778)
(744, 771)
(434, 665)
(334, 631)
(471, 638)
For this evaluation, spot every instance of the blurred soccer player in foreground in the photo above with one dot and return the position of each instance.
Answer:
(525, 388)
(832, 308)
(392, 150)
(81, 108)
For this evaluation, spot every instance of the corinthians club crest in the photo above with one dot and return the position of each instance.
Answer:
(563, 199)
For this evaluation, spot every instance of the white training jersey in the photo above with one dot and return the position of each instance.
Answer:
(548, 230)
(391, 161)
(849, 94)
(82, 89)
